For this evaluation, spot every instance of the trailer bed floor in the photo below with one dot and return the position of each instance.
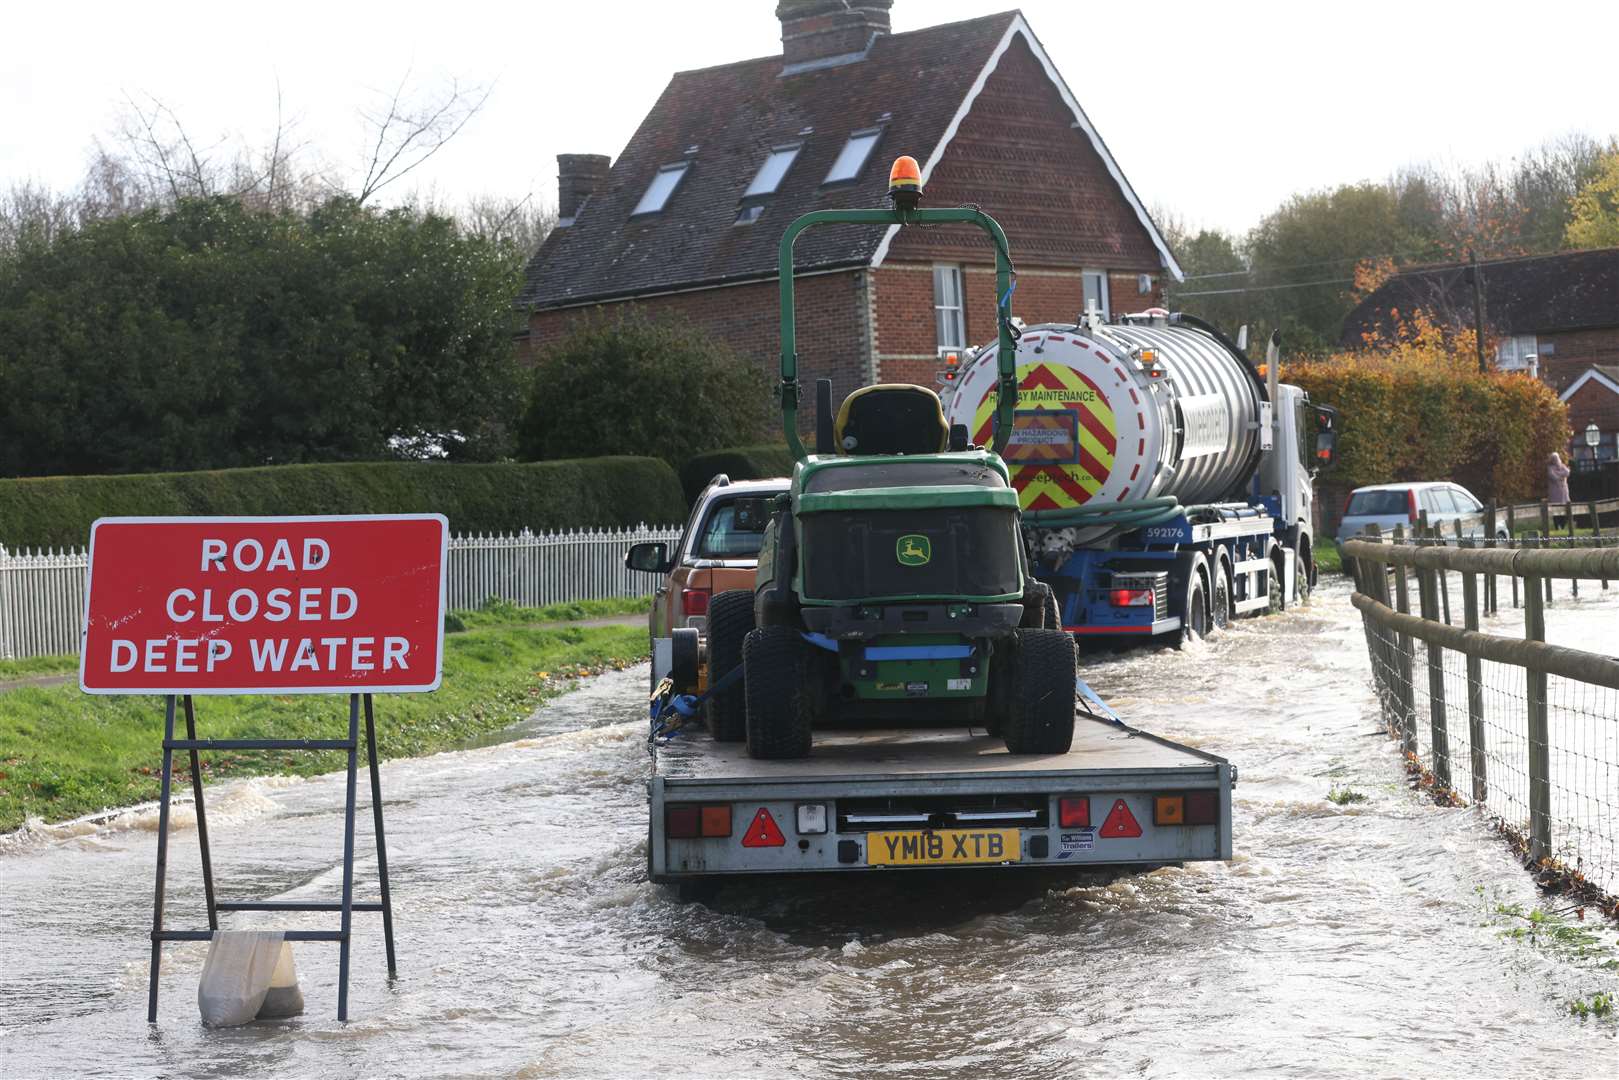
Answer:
(1098, 745)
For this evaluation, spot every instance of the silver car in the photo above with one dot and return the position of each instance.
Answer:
(1388, 505)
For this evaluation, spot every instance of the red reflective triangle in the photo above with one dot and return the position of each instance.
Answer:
(763, 832)
(1120, 823)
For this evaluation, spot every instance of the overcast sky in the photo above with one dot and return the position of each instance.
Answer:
(1216, 111)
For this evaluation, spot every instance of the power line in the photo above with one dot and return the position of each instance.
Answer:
(1360, 258)
(1265, 288)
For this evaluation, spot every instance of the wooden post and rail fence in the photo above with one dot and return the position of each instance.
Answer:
(1540, 745)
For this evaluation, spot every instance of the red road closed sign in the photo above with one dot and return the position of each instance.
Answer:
(286, 605)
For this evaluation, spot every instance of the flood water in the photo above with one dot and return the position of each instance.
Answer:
(1342, 941)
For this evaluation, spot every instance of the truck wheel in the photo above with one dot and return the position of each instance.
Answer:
(1220, 616)
(1275, 588)
(730, 617)
(1041, 717)
(1195, 622)
(780, 712)
(1301, 576)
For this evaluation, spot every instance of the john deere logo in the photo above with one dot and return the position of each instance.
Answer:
(913, 550)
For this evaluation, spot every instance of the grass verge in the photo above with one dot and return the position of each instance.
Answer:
(63, 754)
(1328, 559)
(38, 665)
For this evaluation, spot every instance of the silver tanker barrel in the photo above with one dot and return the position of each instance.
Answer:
(1119, 423)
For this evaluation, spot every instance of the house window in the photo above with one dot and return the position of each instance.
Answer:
(770, 174)
(852, 158)
(1096, 291)
(948, 324)
(1513, 353)
(663, 185)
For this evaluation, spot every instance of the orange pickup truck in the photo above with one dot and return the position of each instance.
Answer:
(711, 556)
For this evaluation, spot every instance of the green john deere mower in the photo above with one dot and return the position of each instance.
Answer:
(892, 585)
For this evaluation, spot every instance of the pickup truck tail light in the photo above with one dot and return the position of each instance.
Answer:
(1411, 505)
(694, 601)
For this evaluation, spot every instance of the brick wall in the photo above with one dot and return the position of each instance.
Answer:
(906, 338)
(1572, 352)
(1019, 157)
(1593, 402)
(832, 315)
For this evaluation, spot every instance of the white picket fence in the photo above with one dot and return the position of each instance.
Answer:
(42, 591)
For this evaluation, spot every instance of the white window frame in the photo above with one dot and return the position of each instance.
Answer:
(851, 160)
(958, 310)
(1085, 277)
(1512, 353)
(773, 170)
(665, 182)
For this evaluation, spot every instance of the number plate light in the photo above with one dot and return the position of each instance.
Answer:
(811, 819)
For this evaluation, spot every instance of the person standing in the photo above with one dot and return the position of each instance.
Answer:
(1556, 479)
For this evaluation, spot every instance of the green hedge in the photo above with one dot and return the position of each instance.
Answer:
(58, 510)
(739, 463)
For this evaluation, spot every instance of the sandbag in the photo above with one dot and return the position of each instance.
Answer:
(283, 998)
(237, 974)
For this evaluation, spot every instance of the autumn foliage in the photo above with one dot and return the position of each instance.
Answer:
(1417, 408)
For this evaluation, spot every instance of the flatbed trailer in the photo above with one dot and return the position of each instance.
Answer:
(869, 801)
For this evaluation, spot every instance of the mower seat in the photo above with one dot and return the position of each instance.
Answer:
(891, 418)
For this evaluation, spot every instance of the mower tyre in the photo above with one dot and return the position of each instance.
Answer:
(1041, 717)
(730, 618)
(780, 700)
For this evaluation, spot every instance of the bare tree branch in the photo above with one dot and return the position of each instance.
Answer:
(408, 135)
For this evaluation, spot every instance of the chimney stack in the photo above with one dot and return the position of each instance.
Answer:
(820, 33)
(578, 175)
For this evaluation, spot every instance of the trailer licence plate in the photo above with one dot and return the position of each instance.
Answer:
(940, 847)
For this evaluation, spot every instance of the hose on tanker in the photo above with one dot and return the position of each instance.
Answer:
(1135, 514)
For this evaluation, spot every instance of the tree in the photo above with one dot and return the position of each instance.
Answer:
(210, 335)
(1594, 212)
(631, 385)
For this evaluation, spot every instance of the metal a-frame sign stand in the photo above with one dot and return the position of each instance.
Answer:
(346, 907)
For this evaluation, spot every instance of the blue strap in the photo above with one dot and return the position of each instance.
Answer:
(1097, 704)
(821, 641)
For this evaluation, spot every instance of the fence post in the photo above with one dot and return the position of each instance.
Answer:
(1428, 597)
(1404, 691)
(1568, 510)
(1545, 533)
(1489, 541)
(1596, 532)
(1512, 541)
(1475, 694)
(1540, 784)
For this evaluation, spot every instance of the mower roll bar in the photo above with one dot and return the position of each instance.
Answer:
(1006, 383)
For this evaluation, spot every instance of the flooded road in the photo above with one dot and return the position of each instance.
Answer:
(1342, 941)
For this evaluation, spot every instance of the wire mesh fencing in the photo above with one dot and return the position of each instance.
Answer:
(1516, 721)
(42, 591)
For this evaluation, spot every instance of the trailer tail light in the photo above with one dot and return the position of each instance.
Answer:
(684, 823)
(694, 601)
(1202, 808)
(691, 822)
(1131, 597)
(1186, 808)
(1411, 505)
(1074, 812)
(1169, 810)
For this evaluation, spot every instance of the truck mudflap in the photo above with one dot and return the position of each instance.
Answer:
(874, 802)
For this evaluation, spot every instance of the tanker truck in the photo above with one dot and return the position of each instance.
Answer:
(1165, 484)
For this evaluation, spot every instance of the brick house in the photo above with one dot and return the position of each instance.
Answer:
(687, 220)
(1593, 399)
(1553, 315)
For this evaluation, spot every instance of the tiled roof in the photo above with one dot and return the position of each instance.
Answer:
(1571, 290)
(910, 84)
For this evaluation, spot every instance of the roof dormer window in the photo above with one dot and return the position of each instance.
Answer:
(852, 158)
(663, 185)
(770, 174)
